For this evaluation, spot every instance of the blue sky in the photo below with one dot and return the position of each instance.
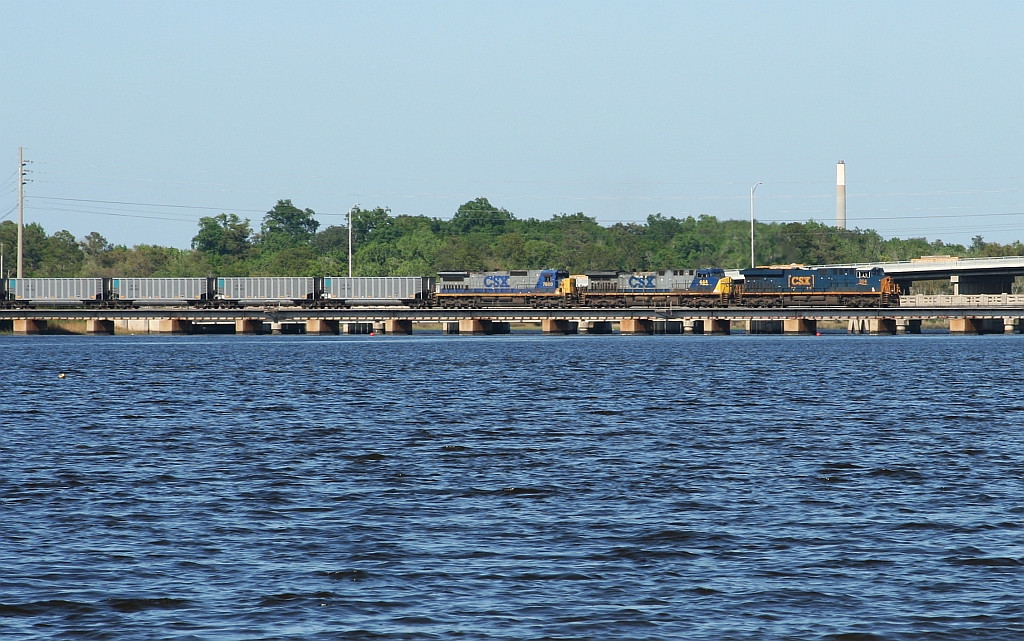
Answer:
(141, 117)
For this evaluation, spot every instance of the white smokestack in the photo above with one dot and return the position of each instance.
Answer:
(841, 195)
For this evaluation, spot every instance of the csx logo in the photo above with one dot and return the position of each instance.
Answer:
(643, 282)
(801, 281)
(496, 282)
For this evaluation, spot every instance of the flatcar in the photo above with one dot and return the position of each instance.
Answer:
(788, 286)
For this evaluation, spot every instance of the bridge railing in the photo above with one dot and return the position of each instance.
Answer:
(963, 300)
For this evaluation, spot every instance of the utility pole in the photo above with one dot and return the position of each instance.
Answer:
(350, 210)
(21, 210)
(752, 190)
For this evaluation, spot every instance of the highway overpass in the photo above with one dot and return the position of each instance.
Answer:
(968, 275)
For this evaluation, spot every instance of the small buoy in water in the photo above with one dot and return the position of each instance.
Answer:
(372, 334)
(62, 375)
(817, 333)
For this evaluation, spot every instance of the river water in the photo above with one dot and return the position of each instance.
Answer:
(514, 487)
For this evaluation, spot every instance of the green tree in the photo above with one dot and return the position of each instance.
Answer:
(287, 226)
(372, 224)
(291, 261)
(94, 244)
(63, 255)
(223, 235)
(479, 216)
(35, 246)
(9, 241)
(331, 241)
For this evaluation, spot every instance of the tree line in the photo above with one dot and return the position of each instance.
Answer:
(479, 236)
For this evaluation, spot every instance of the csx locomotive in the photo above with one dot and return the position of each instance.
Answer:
(711, 287)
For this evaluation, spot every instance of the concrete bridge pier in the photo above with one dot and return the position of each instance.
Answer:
(248, 326)
(318, 327)
(28, 326)
(99, 327)
(964, 326)
(558, 326)
(879, 326)
(475, 326)
(450, 328)
(636, 326)
(1011, 325)
(398, 327)
(855, 326)
(133, 325)
(170, 326)
(799, 326)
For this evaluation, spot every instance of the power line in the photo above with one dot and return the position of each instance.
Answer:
(135, 204)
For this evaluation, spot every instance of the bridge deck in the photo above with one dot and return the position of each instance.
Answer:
(912, 307)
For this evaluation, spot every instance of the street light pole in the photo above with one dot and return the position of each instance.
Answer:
(21, 211)
(350, 210)
(752, 223)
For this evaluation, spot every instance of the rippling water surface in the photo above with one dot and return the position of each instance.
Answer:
(516, 487)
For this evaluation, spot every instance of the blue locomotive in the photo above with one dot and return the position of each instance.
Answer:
(826, 286)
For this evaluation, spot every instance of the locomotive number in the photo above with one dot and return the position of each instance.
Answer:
(863, 282)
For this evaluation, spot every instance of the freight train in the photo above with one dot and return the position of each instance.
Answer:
(535, 288)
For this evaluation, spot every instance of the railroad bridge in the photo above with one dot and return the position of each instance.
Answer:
(982, 301)
(965, 314)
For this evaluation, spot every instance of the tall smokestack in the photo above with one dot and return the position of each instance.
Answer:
(841, 195)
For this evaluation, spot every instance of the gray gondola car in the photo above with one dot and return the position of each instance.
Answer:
(58, 291)
(268, 290)
(377, 290)
(162, 291)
